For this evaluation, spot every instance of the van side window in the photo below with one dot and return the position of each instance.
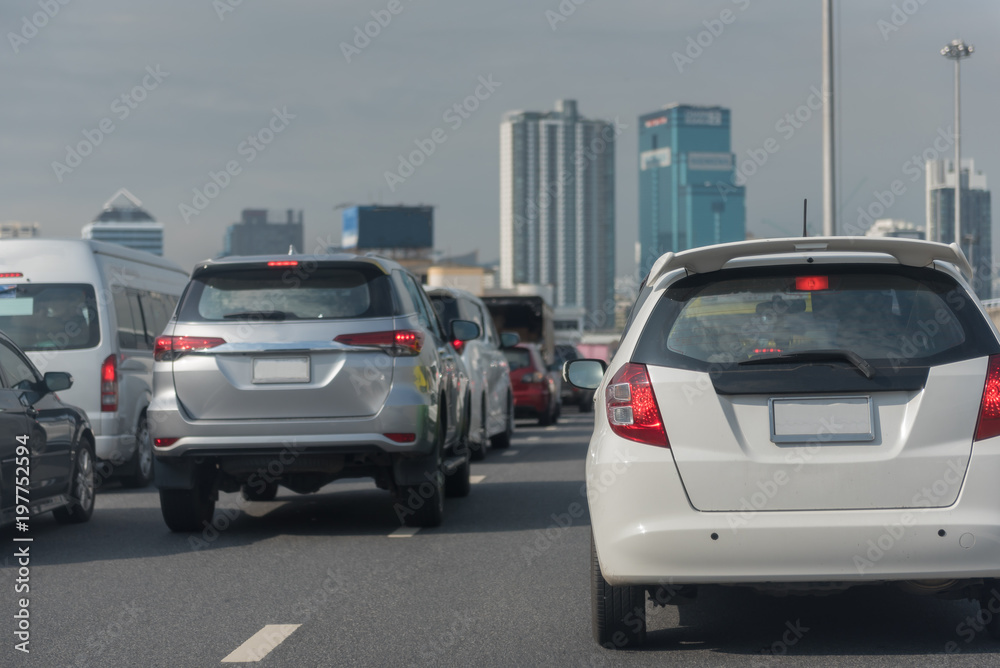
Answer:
(139, 319)
(126, 325)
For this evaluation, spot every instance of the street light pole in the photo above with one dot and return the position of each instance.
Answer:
(957, 50)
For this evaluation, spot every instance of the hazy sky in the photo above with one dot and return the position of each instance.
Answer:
(227, 70)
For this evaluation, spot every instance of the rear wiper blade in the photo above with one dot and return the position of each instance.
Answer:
(816, 356)
(266, 315)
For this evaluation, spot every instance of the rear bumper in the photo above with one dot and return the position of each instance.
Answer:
(535, 400)
(647, 532)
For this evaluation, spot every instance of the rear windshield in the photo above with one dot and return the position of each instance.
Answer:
(50, 316)
(887, 315)
(272, 293)
(518, 358)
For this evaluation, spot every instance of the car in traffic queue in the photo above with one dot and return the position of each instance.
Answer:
(536, 388)
(47, 460)
(492, 399)
(796, 416)
(571, 394)
(299, 370)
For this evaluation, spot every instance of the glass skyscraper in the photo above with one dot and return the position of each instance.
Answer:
(557, 206)
(688, 195)
(977, 221)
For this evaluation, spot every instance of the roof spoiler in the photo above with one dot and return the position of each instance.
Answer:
(908, 252)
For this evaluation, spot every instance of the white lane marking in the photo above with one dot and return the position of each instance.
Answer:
(552, 428)
(261, 643)
(476, 479)
(534, 438)
(509, 453)
(404, 532)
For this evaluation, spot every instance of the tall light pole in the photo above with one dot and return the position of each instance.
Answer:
(956, 51)
(829, 185)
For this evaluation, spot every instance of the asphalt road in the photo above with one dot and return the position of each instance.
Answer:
(501, 583)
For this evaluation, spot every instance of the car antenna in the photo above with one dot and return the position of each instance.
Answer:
(805, 208)
(291, 249)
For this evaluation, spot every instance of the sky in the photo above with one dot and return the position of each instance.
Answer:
(202, 108)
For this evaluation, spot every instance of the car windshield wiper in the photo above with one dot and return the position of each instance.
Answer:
(266, 315)
(816, 356)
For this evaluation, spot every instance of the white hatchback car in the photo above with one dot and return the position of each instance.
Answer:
(796, 415)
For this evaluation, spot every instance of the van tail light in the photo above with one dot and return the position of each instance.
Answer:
(168, 348)
(988, 425)
(398, 343)
(109, 384)
(632, 409)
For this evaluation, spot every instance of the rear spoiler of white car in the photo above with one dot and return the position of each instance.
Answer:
(909, 252)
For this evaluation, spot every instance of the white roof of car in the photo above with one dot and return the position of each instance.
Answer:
(909, 252)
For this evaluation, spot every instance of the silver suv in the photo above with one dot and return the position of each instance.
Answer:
(300, 370)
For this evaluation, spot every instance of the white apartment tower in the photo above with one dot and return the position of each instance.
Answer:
(557, 207)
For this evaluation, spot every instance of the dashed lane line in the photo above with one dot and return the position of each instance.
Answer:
(509, 453)
(476, 479)
(261, 643)
(404, 532)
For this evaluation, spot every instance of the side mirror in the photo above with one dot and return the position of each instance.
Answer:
(509, 339)
(56, 381)
(464, 330)
(585, 374)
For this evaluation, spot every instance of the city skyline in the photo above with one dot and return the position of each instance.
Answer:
(181, 133)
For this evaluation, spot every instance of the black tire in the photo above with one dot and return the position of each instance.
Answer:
(186, 510)
(479, 449)
(458, 483)
(255, 492)
(140, 467)
(618, 613)
(502, 440)
(423, 504)
(83, 491)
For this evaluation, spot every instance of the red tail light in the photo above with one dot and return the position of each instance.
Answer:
(632, 409)
(401, 342)
(169, 348)
(109, 384)
(989, 411)
(401, 438)
(459, 346)
(164, 442)
(283, 263)
(812, 283)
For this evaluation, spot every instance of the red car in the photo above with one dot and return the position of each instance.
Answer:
(536, 391)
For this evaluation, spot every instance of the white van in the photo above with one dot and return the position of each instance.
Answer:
(93, 309)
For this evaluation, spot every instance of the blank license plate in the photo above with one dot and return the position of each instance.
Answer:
(281, 370)
(822, 420)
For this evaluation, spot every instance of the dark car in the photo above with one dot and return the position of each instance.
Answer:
(571, 394)
(536, 390)
(46, 446)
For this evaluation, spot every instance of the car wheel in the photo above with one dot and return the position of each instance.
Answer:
(423, 504)
(502, 440)
(257, 492)
(479, 449)
(82, 493)
(140, 467)
(618, 613)
(186, 510)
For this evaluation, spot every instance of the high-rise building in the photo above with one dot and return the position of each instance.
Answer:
(688, 195)
(256, 235)
(13, 229)
(557, 207)
(977, 221)
(896, 228)
(401, 233)
(123, 221)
